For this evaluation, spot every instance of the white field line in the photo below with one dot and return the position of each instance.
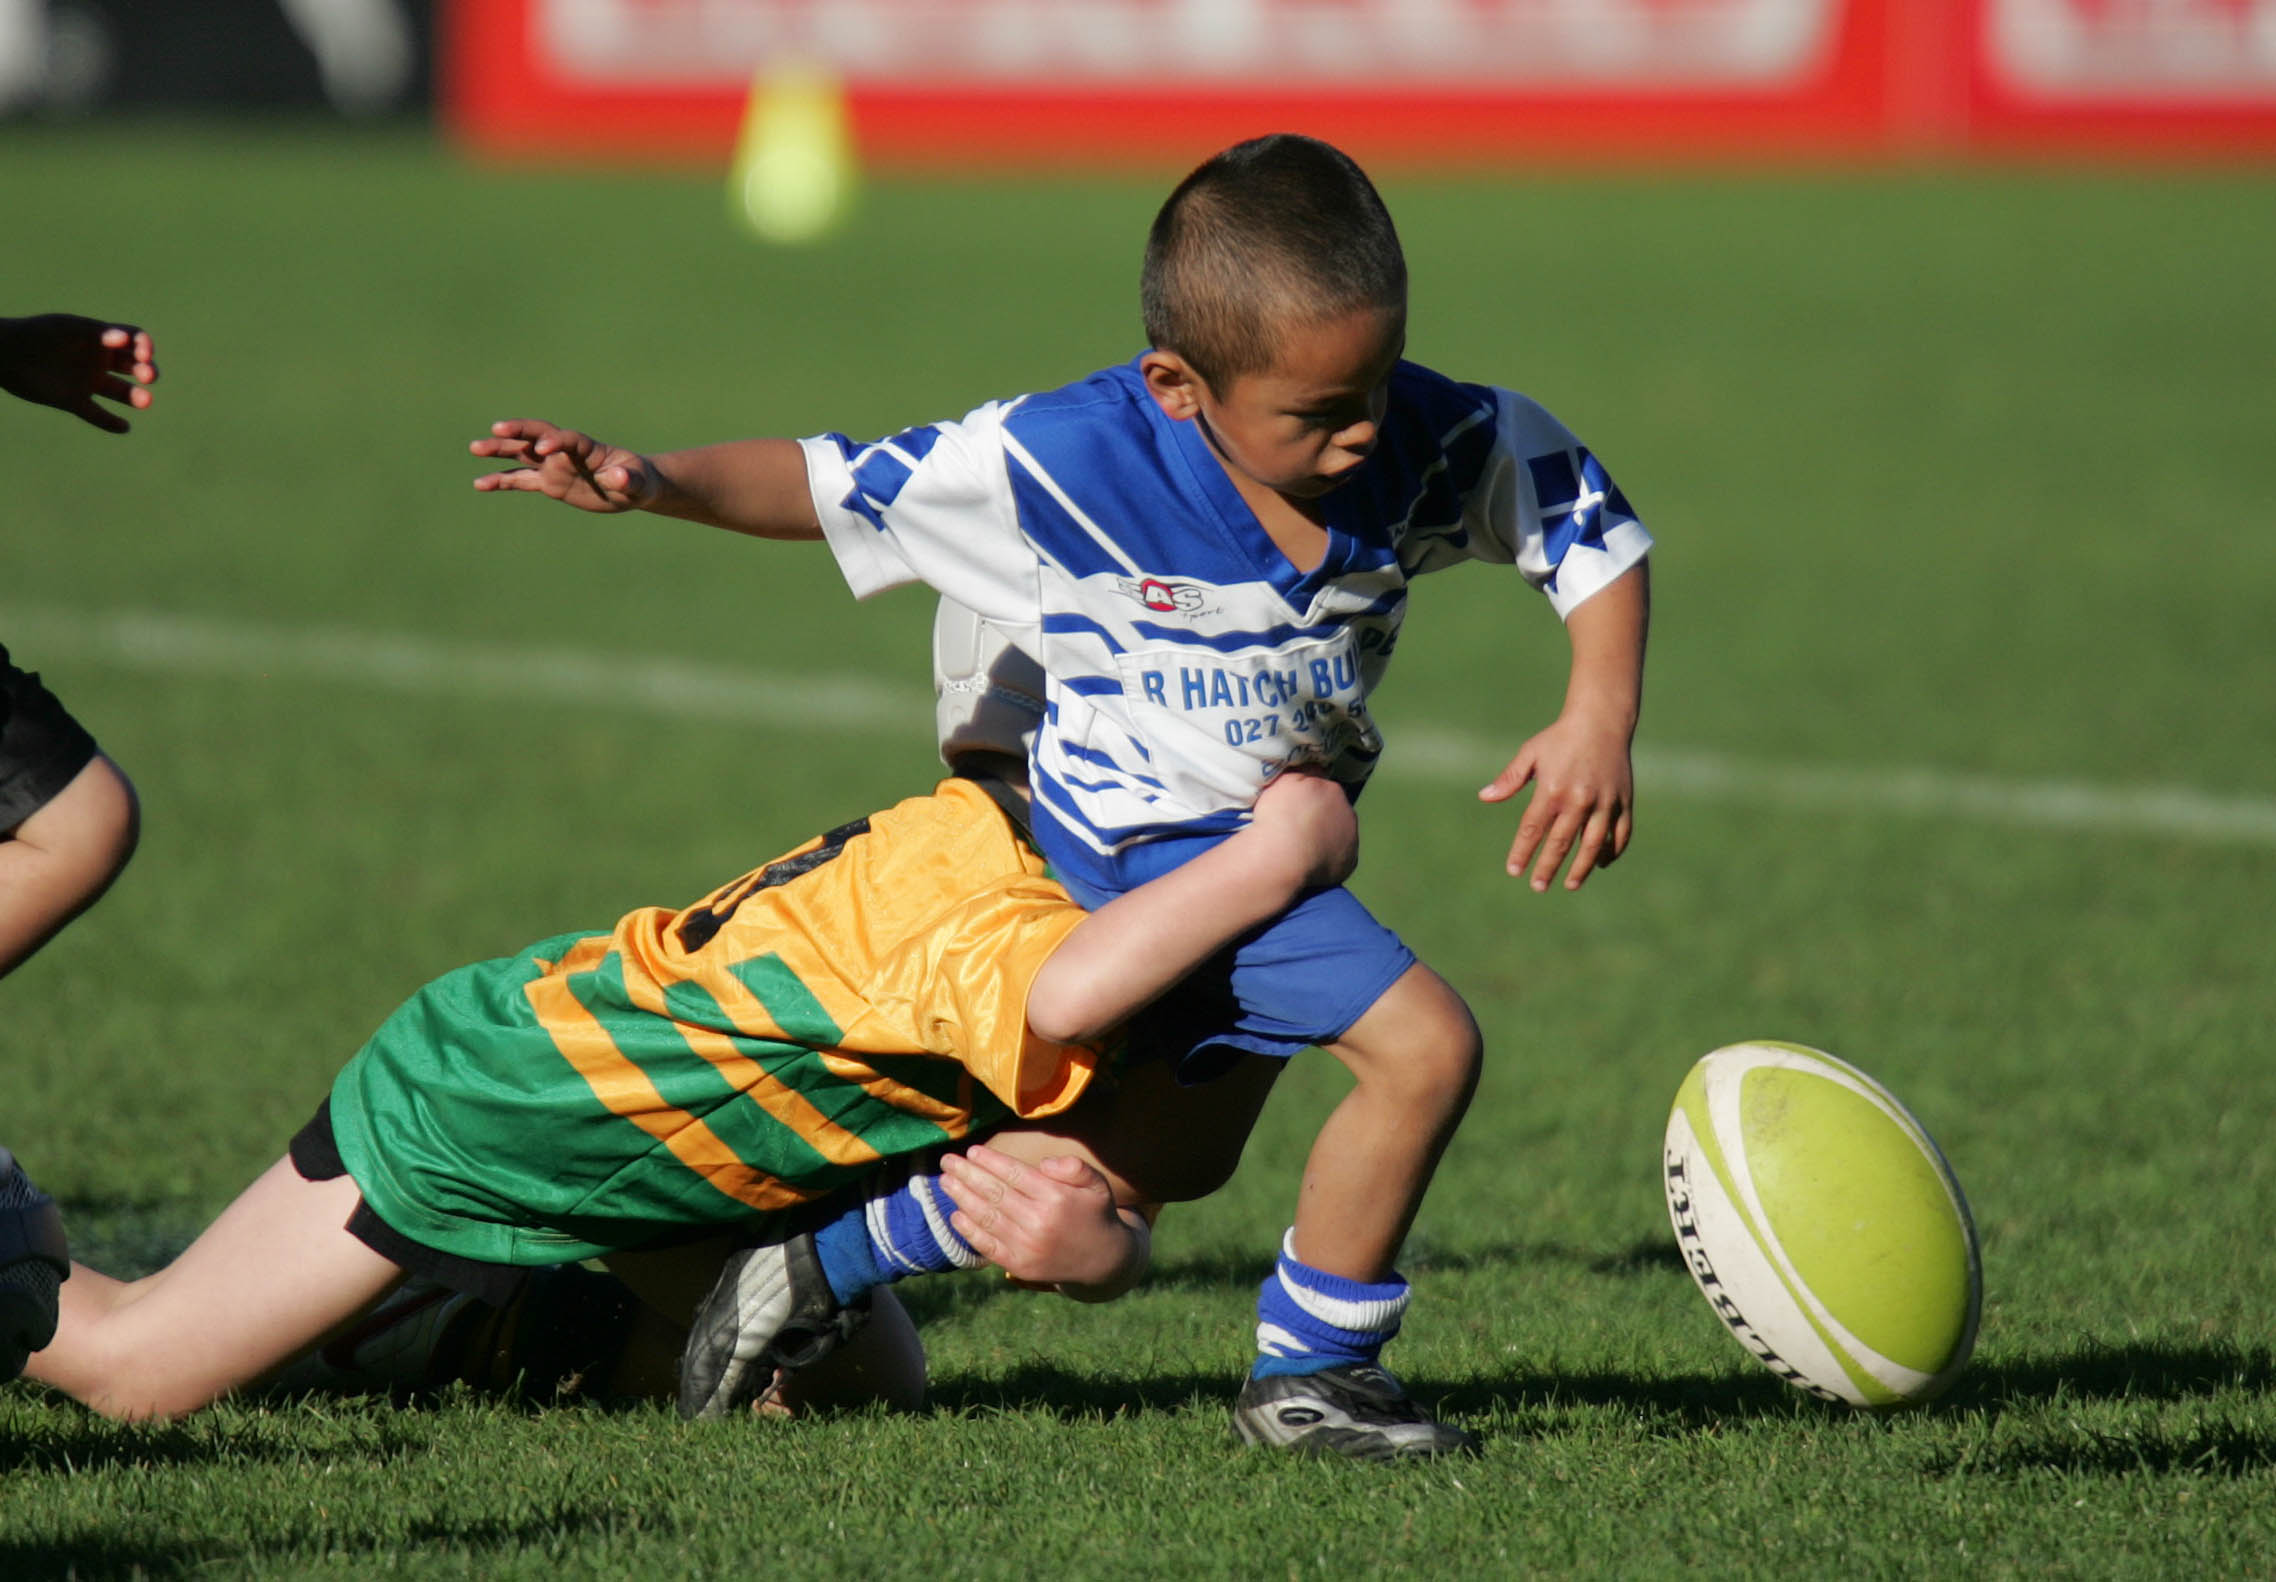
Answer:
(179, 645)
(394, 662)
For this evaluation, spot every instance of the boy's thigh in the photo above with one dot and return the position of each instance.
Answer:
(1304, 979)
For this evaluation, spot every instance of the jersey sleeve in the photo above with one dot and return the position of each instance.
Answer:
(963, 985)
(931, 504)
(1545, 504)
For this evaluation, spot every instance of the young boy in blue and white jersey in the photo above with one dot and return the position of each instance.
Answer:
(1207, 549)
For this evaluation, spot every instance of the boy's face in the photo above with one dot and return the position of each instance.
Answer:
(1300, 427)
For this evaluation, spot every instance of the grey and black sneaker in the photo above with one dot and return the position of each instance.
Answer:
(34, 1260)
(1356, 1410)
(772, 1309)
(406, 1344)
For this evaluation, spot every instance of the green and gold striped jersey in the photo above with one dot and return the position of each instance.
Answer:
(862, 996)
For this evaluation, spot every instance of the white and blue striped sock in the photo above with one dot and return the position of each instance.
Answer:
(1308, 1319)
(898, 1228)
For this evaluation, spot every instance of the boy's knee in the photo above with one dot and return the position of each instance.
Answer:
(129, 1385)
(1418, 1040)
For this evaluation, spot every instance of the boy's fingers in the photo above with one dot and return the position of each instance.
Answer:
(523, 479)
(102, 417)
(1522, 848)
(1534, 826)
(1592, 852)
(975, 1234)
(994, 1173)
(1510, 781)
(527, 429)
(1554, 846)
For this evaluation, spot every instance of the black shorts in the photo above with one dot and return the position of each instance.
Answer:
(42, 748)
(316, 1155)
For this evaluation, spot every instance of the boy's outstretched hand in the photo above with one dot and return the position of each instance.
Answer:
(1050, 1225)
(1584, 799)
(565, 465)
(65, 361)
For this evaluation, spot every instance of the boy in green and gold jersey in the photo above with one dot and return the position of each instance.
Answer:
(896, 984)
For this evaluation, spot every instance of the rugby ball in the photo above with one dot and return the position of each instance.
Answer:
(1823, 1226)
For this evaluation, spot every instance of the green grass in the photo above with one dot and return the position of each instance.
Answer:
(1967, 472)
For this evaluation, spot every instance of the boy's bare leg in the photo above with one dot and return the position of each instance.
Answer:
(1415, 1056)
(1334, 1298)
(274, 1275)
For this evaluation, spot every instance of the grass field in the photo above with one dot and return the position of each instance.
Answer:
(1957, 761)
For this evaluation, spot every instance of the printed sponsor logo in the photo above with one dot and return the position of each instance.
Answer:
(1165, 598)
(1711, 1286)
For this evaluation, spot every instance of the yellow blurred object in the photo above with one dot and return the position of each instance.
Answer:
(795, 171)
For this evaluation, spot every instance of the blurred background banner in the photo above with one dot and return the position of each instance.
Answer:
(360, 58)
(1043, 83)
(1442, 82)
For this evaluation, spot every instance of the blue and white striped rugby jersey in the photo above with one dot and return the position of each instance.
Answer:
(1187, 660)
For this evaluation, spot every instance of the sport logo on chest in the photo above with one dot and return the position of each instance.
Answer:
(1165, 598)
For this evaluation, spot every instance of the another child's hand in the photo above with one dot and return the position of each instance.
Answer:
(65, 361)
(1313, 815)
(1584, 796)
(565, 465)
(1052, 1224)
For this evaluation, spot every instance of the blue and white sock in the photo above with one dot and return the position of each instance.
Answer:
(899, 1227)
(1308, 1319)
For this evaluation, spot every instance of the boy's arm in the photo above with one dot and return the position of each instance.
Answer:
(754, 486)
(1584, 783)
(1301, 836)
(60, 859)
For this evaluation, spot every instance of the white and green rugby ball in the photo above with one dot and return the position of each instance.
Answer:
(1822, 1225)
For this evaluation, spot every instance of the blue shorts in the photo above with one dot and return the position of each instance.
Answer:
(1301, 979)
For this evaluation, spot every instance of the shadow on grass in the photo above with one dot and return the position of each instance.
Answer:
(1685, 1404)
(74, 1442)
(2097, 1370)
(2099, 1374)
(2222, 1451)
(97, 1555)
(1242, 1273)
(1075, 1397)
(1705, 1403)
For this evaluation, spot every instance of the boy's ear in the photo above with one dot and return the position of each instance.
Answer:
(1173, 384)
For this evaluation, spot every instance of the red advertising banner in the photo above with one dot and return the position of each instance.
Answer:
(2123, 75)
(1448, 83)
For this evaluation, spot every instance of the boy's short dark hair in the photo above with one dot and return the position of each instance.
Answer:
(1272, 233)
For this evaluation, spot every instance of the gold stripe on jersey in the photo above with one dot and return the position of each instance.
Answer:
(917, 933)
(627, 1091)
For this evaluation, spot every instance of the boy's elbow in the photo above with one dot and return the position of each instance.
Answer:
(1064, 1016)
